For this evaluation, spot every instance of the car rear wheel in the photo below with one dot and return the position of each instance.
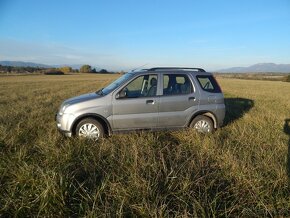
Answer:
(90, 128)
(202, 124)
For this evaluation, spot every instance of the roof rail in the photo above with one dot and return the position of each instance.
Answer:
(176, 68)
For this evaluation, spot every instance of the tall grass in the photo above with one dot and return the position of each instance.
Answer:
(240, 170)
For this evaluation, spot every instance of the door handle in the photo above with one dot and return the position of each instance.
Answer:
(150, 102)
(191, 98)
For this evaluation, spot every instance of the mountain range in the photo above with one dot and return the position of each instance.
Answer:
(259, 68)
(23, 64)
(256, 68)
(31, 64)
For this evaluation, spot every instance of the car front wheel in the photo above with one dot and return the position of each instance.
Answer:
(90, 128)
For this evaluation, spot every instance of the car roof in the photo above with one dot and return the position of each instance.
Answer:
(173, 70)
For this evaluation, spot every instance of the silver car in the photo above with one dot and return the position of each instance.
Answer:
(156, 98)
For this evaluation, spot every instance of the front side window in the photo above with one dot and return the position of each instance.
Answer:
(116, 83)
(142, 86)
(176, 84)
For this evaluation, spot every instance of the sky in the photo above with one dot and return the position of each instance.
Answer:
(127, 34)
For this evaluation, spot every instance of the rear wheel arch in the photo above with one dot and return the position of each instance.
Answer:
(103, 121)
(207, 114)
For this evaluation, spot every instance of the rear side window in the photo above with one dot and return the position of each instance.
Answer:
(208, 83)
(176, 84)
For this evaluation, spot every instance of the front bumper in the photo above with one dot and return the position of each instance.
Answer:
(67, 134)
(60, 125)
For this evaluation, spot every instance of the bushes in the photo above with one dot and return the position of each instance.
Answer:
(53, 72)
(287, 78)
(86, 69)
(66, 69)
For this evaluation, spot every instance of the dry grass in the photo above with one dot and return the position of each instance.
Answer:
(254, 76)
(240, 170)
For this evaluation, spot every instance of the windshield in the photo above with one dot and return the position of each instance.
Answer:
(116, 83)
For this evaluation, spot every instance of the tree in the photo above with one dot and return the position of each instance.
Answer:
(86, 69)
(287, 78)
(103, 71)
(94, 70)
(75, 71)
(9, 69)
(65, 69)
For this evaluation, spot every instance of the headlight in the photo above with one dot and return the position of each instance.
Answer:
(63, 108)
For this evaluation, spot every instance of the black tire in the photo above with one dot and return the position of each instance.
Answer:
(202, 124)
(95, 129)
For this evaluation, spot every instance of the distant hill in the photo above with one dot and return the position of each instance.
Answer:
(256, 68)
(31, 64)
(23, 64)
(259, 68)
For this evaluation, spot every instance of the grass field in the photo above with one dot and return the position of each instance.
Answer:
(240, 170)
(255, 76)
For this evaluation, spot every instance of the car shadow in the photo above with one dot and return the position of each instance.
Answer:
(287, 131)
(236, 108)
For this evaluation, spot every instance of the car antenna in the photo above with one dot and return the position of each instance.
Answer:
(139, 67)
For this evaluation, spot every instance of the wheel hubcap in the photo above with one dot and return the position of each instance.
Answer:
(202, 126)
(89, 130)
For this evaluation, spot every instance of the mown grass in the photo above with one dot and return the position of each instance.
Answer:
(240, 170)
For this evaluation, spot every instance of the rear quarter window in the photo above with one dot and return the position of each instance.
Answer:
(208, 83)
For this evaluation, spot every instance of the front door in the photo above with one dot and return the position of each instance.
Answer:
(135, 106)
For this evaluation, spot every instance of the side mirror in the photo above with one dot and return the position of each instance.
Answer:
(121, 94)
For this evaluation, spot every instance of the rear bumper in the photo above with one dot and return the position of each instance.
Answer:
(220, 114)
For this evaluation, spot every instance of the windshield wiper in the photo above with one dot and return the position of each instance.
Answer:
(100, 92)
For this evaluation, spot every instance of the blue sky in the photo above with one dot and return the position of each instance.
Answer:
(120, 35)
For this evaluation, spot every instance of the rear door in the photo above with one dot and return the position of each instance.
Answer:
(135, 105)
(211, 91)
(211, 97)
(178, 100)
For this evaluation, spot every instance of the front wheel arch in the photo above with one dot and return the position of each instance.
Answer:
(90, 128)
(103, 121)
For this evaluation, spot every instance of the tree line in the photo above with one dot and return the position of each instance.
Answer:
(61, 70)
(88, 69)
(11, 69)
